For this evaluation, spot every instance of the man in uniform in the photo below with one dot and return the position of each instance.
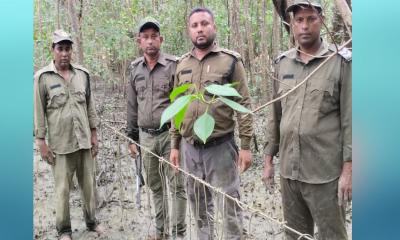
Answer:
(311, 129)
(218, 160)
(151, 81)
(64, 103)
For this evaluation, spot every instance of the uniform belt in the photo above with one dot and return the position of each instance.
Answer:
(214, 141)
(157, 131)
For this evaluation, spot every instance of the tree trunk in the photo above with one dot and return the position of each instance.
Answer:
(264, 53)
(276, 35)
(155, 6)
(250, 42)
(338, 28)
(229, 23)
(346, 14)
(280, 7)
(76, 28)
(235, 27)
(58, 14)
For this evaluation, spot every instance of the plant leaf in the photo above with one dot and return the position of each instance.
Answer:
(222, 90)
(179, 90)
(178, 119)
(175, 108)
(236, 106)
(204, 126)
(232, 84)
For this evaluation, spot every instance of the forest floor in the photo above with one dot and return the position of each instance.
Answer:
(118, 212)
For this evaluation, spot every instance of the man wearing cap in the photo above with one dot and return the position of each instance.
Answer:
(311, 128)
(64, 112)
(151, 80)
(219, 160)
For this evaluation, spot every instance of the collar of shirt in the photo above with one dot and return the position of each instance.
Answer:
(53, 68)
(161, 60)
(294, 54)
(214, 49)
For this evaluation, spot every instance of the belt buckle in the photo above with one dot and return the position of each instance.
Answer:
(152, 131)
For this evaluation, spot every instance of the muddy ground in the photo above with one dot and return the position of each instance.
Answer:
(116, 189)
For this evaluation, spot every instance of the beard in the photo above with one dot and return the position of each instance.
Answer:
(204, 44)
(153, 51)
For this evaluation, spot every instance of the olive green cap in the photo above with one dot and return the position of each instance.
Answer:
(61, 35)
(314, 3)
(149, 22)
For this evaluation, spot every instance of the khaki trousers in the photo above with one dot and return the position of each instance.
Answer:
(216, 165)
(307, 204)
(157, 177)
(65, 166)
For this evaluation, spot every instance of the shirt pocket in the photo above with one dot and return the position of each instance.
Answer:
(141, 89)
(213, 78)
(163, 87)
(79, 96)
(185, 76)
(57, 98)
(283, 89)
(320, 95)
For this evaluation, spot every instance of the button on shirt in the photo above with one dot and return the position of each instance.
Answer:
(148, 93)
(311, 127)
(65, 107)
(219, 66)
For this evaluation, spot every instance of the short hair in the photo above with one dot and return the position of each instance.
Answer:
(201, 9)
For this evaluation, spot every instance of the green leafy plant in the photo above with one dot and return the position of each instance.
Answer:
(204, 125)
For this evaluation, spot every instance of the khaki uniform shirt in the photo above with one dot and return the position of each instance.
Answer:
(148, 93)
(67, 108)
(220, 66)
(311, 127)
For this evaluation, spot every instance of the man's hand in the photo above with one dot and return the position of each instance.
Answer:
(45, 151)
(268, 173)
(244, 160)
(345, 184)
(94, 142)
(174, 158)
(133, 150)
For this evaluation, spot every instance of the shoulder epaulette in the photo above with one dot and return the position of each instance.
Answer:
(183, 56)
(344, 52)
(171, 57)
(80, 68)
(277, 59)
(232, 53)
(284, 54)
(137, 61)
(134, 63)
(41, 71)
